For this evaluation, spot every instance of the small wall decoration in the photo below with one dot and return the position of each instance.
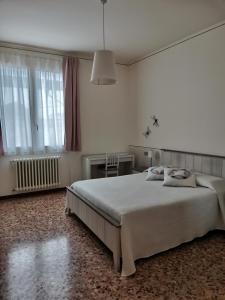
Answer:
(155, 124)
(147, 132)
(155, 121)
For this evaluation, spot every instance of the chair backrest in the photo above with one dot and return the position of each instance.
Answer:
(112, 160)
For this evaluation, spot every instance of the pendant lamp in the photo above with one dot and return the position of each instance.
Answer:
(103, 69)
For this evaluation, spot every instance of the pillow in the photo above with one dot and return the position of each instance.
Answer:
(155, 173)
(209, 181)
(179, 177)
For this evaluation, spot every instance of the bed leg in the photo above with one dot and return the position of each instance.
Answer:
(67, 211)
(116, 260)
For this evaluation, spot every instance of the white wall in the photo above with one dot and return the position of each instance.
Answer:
(185, 87)
(107, 113)
(107, 124)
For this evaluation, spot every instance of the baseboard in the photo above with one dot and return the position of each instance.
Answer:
(33, 193)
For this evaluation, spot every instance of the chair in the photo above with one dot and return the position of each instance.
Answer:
(112, 163)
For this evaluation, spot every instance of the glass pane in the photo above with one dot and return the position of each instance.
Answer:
(49, 109)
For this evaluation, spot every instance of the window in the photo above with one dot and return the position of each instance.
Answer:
(31, 103)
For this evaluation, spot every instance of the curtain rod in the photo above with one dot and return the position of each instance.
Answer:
(38, 50)
(45, 51)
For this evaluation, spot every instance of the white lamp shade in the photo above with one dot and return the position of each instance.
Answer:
(103, 69)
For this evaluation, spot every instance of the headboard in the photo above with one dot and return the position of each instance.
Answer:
(205, 163)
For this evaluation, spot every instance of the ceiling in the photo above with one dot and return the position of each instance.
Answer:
(134, 28)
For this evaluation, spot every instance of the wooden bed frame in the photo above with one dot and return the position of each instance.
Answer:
(108, 232)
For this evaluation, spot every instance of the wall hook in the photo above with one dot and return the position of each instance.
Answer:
(147, 132)
(155, 121)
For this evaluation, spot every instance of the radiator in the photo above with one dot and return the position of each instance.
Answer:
(36, 173)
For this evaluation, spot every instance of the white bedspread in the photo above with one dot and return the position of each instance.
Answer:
(153, 217)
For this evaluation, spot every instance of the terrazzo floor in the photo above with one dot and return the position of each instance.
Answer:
(45, 254)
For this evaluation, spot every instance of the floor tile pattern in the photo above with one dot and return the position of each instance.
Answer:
(45, 254)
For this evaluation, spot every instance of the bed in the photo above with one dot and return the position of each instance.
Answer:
(135, 218)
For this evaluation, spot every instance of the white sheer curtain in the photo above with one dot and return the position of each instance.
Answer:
(15, 109)
(31, 102)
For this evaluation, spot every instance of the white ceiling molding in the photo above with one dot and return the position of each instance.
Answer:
(220, 24)
(89, 56)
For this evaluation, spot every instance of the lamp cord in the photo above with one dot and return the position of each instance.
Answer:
(103, 23)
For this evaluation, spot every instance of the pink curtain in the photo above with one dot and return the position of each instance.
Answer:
(72, 104)
(1, 141)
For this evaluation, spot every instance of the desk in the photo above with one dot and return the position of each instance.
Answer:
(99, 159)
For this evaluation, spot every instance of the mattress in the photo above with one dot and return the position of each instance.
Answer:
(117, 196)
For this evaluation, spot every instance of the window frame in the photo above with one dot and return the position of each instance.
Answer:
(33, 113)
